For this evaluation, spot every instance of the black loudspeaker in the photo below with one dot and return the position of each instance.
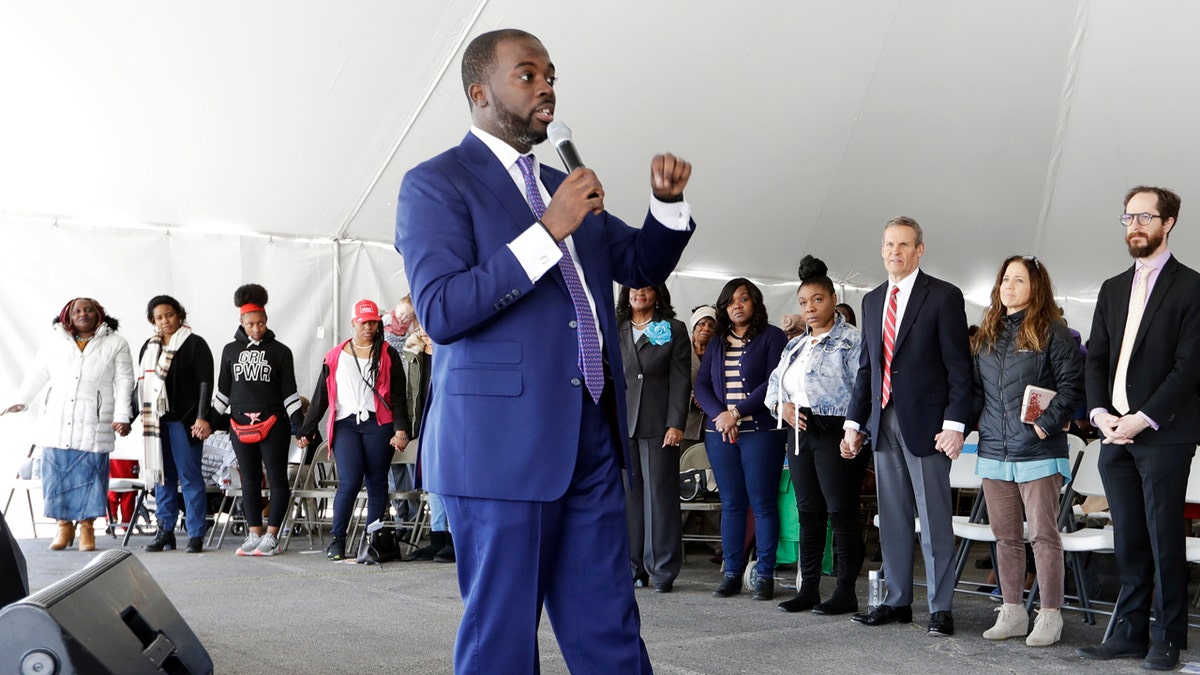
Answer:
(109, 617)
(14, 580)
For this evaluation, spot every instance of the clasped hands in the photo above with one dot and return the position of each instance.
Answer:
(947, 441)
(1120, 430)
(581, 193)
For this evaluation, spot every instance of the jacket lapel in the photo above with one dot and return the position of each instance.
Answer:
(919, 292)
(1162, 286)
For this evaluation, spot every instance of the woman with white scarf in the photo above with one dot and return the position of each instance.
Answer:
(175, 388)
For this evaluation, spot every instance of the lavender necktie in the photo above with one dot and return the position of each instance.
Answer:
(590, 360)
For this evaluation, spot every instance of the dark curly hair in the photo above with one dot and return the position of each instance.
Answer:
(814, 271)
(758, 320)
(165, 300)
(250, 294)
(662, 304)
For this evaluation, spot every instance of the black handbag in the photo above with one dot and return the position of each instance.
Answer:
(377, 546)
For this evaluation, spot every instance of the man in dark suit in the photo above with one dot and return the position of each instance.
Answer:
(656, 351)
(525, 428)
(1143, 369)
(913, 392)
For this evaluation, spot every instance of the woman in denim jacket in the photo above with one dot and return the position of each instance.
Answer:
(810, 390)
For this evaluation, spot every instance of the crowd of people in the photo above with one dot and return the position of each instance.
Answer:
(516, 291)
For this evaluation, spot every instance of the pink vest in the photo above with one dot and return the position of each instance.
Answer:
(383, 387)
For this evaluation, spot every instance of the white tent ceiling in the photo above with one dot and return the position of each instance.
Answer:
(1004, 128)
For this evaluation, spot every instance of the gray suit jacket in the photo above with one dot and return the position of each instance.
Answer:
(657, 380)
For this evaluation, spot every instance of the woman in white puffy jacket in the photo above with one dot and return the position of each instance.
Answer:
(83, 378)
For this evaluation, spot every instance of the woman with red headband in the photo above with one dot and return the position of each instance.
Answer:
(256, 387)
(89, 372)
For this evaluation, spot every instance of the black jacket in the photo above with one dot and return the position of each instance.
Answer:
(189, 382)
(1001, 375)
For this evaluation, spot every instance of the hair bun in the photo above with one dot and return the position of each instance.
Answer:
(253, 294)
(812, 268)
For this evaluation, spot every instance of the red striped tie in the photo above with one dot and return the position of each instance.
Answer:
(889, 345)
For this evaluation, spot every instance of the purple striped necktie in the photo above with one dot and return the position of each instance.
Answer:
(591, 362)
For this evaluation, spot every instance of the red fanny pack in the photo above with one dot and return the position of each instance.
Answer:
(253, 433)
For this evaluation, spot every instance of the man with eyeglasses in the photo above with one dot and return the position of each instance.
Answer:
(1143, 369)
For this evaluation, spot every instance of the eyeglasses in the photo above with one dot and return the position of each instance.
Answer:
(1142, 218)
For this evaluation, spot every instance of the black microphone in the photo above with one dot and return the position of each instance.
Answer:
(560, 136)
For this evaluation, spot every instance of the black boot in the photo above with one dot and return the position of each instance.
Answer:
(163, 541)
(850, 551)
(337, 548)
(437, 541)
(446, 554)
(812, 551)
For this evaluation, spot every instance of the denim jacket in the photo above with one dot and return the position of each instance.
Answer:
(831, 372)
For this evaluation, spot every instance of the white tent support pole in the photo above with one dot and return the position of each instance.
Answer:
(468, 26)
(337, 289)
(1064, 120)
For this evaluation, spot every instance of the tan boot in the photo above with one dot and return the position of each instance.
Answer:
(1013, 621)
(87, 535)
(65, 536)
(1047, 628)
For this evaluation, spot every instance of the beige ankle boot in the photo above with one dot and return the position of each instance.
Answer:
(65, 536)
(87, 535)
(1047, 628)
(1013, 621)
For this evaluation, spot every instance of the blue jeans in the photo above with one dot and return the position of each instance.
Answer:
(181, 465)
(360, 450)
(748, 474)
(438, 522)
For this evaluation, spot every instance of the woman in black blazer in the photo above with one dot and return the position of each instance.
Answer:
(656, 351)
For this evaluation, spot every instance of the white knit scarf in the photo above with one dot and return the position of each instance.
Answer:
(155, 364)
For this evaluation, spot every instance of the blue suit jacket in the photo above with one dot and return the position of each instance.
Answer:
(931, 366)
(503, 416)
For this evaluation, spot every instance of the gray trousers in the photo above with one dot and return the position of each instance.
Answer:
(907, 483)
(652, 510)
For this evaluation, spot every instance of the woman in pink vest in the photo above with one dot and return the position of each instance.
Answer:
(362, 385)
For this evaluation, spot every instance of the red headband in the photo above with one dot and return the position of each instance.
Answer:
(251, 307)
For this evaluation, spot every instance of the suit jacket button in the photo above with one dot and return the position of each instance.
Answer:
(639, 376)
(496, 306)
(516, 292)
(572, 323)
(575, 382)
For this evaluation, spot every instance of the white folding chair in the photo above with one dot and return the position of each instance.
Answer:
(1086, 483)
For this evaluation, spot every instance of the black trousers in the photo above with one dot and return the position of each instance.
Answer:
(1146, 486)
(273, 452)
(827, 488)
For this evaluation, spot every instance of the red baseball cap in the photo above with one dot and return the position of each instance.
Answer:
(365, 310)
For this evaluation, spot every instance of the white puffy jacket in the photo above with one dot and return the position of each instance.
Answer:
(88, 390)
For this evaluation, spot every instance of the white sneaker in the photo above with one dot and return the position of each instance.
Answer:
(268, 546)
(250, 545)
(1013, 621)
(1047, 628)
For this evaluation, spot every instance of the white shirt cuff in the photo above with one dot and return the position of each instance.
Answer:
(851, 424)
(536, 250)
(674, 215)
(947, 425)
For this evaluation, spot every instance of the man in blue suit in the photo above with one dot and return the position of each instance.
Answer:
(511, 267)
(913, 393)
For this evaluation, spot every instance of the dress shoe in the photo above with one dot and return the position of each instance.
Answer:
(195, 545)
(1162, 656)
(729, 587)
(1113, 649)
(801, 602)
(641, 580)
(885, 614)
(837, 605)
(941, 624)
(764, 588)
(664, 587)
